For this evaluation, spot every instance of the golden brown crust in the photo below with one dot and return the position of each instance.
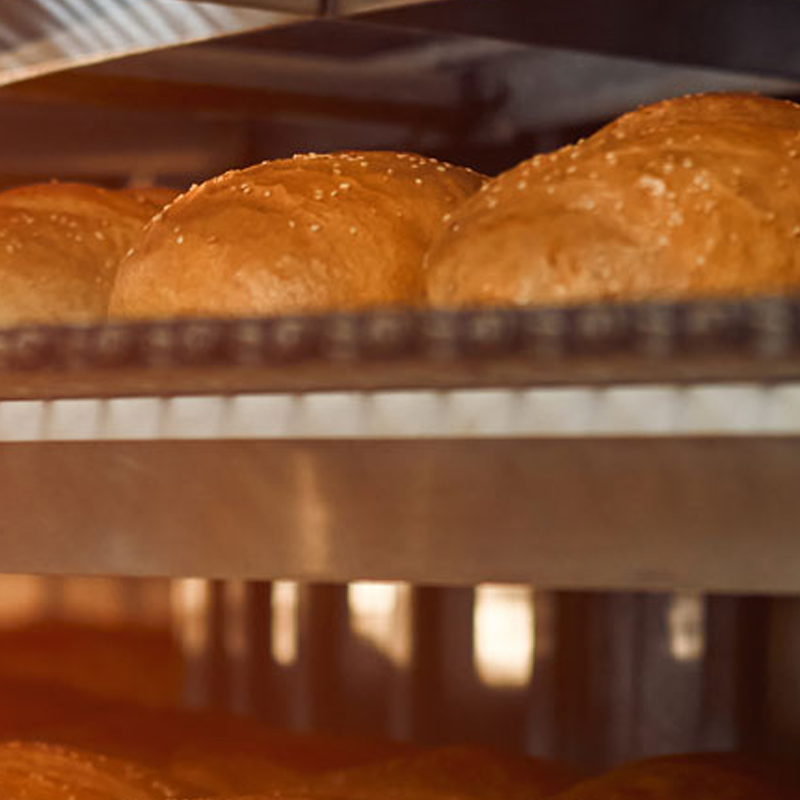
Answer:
(470, 773)
(337, 231)
(60, 245)
(693, 197)
(36, 771)
(708, 776)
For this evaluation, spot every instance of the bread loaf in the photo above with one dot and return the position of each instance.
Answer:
(60, 245)
(690, 777)
(470, 773)
(688, 198)
(34, 771)
(312, 233)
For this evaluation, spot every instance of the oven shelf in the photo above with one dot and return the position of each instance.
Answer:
(631, 447)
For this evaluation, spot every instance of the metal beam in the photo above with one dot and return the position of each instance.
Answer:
(757, 36)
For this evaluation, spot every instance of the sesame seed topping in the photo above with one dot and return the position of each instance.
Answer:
(652, 185)
(315, 226)
(441, 168)
(267, 192)
(418, 181)
(318, 194)
(292, 223)
(522, 185)
(353, 230)
(344, 186)
(179, 240)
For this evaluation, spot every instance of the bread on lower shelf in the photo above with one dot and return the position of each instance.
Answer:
(471, 773)
(699, 776)
(36, 771)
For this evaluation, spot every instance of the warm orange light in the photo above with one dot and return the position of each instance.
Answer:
(380, 613)
(25, 599)
(503, 635)
(285, 637)
(686, 620)
(191, 598)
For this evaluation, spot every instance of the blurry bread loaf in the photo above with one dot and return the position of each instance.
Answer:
(60, 245)
(693, 197)
(35, 771)
(312, 233)
(690, 777)
(218, 752)
(470, 773)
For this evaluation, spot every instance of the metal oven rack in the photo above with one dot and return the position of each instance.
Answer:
(434, 447)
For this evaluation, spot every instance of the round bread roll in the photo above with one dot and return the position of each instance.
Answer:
(36, 771)
(690, 777)
(688, 198)
(218, 752)
(470, 773)
(312, 233)
(60, 245)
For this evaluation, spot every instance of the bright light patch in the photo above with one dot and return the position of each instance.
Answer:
(285, 640)
(191, 599)
(503, 635)
(25, 598)
(686, 620)
(380, 613)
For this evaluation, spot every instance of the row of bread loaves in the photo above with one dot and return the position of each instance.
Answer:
(35, 771)
(688, 198)
(693, 197)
